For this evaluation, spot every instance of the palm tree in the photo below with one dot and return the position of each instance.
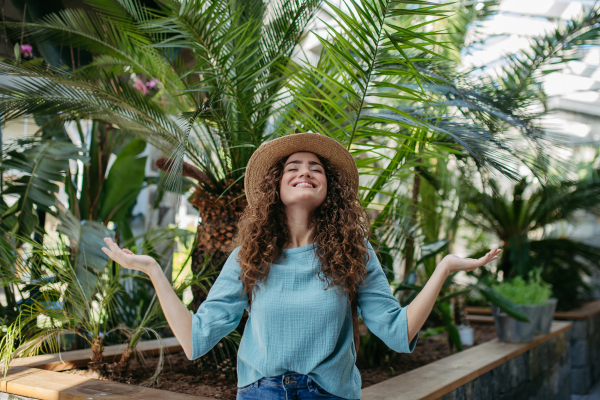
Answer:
(227, 82)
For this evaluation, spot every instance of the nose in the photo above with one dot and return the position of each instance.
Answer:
(305, 172)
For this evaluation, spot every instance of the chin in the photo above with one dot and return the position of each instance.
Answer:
(307, 201)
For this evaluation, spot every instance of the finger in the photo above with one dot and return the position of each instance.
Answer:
(115, 251)
(109, 253)
(114, 247)
(127, 251)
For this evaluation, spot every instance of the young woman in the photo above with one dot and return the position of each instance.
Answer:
(303, 269)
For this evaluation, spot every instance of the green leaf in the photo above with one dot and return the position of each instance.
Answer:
(446, 313)
(124, 182)
(87, 240)
(44, 163)
(452, 295)
(503, 303)
(433, 249)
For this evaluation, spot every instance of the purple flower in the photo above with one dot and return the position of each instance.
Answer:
(26, 51)
(152, 83)
(139, 86)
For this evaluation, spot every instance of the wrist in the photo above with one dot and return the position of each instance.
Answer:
(444, 268)
(154, 271)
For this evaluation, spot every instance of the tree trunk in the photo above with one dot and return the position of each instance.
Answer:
(410, 241)
(97, 354)
(214, 237)
(124, 360)
(220, 214)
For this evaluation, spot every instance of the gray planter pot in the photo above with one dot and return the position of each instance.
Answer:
(546, 316)
(511, 330)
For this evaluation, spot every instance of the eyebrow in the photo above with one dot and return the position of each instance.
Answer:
(300, 162)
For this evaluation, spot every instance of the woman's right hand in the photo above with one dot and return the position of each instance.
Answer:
(127, 259)
(176, 313)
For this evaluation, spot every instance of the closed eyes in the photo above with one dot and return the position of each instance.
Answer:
(296, 169)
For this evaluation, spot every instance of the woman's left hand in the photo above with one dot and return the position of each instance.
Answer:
(454, 263)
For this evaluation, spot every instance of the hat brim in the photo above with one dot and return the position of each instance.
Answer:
(271, 152)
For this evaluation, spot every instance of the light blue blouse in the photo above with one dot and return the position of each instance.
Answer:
(296, 325)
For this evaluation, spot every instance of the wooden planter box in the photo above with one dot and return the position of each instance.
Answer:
(37, 377)
(80, 358)
(584, 338)
(488, 371)
(50, 385)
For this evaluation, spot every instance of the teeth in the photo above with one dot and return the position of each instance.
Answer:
(304, 184)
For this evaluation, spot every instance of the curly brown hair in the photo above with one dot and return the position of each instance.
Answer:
(341, 230)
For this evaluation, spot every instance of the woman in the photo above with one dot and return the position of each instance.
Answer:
(302, 259)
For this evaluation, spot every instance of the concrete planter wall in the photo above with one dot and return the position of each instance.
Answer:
(584, 341)
(543, 372)
(494, 370)
(585, 347)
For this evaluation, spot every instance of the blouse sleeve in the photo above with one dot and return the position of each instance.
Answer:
(381, 311)
(222, 310)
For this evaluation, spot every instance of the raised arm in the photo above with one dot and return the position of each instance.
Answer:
(177, 314)
(420, 308)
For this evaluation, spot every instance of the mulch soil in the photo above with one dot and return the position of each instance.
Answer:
(204, 378)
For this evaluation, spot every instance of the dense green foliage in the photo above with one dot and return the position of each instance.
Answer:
(513, 218)
(211, 80)
(519, 291)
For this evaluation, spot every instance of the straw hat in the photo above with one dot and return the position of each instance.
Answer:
(271, 152)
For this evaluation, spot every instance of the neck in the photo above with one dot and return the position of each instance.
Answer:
(301, 233)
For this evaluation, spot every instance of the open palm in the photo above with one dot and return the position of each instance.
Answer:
(455, 263)
(128, 259)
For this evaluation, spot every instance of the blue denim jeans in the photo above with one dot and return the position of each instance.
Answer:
(288, 386)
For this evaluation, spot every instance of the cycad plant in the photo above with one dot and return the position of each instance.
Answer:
(64, 305)
(219, 67)
(523, 223)
(60, 303)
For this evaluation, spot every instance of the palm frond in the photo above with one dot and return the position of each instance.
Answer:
(31, 88)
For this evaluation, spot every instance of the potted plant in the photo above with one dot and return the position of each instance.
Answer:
(533, 298)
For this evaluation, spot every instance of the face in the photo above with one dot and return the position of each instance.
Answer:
(304, 182)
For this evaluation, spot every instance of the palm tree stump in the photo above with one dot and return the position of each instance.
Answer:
(220, 213)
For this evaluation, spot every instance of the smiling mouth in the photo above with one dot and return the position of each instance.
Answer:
(304, 185)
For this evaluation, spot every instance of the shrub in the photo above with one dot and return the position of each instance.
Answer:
(536, 291)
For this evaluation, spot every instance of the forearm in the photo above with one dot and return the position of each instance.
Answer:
(420, 308)
(177, 314)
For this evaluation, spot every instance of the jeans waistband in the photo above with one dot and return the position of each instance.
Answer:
(289, 380)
